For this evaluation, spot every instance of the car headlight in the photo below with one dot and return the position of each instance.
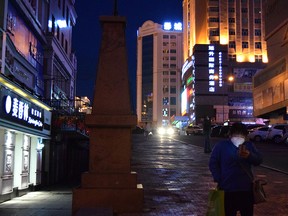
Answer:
(161, 130)
(170, 131)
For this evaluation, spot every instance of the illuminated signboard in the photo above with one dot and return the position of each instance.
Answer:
(168, 26)
(18, 110)
(184, 102)
(188, 64)
(211, 68)
(212, 57)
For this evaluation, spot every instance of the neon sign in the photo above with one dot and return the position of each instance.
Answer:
(168, 26)
(18, 110)
(211, 68)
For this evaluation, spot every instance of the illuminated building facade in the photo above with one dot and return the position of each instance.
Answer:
(159, 61)
(270, 91)
(238, 25)
(38, 71)
(25, 120)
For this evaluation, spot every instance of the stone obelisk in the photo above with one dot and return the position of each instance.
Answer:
(109, 183)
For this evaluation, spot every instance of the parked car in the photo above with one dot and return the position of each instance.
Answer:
(224, 131)
(251, 127)
(258, 134)
(275, 132)
(215, 131)
(194, 129)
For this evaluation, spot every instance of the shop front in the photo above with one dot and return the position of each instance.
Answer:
(25, 124)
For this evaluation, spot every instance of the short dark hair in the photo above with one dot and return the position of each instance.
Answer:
(238, 128)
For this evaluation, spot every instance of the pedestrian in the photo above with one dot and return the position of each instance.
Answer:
(230, 162)
(207, 132)
(147, 129)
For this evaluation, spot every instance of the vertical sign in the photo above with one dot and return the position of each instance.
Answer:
(211, 68)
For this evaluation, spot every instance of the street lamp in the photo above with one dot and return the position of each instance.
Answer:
(229, 79)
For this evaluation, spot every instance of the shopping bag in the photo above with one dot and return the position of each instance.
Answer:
(215, 203)
(258, 191)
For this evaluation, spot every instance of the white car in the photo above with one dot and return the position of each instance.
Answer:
(194, 129)
(258, 134)
(275, 132)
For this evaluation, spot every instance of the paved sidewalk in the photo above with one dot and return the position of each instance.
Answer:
(175, 178)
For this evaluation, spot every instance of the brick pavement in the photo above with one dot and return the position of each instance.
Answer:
(175, 178)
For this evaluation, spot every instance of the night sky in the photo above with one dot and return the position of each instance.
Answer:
(87, 34)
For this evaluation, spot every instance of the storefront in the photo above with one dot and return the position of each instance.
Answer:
(25, 124)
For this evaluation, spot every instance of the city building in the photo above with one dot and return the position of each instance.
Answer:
(25, 120)
(238, 26)
(270, 91)
(159, 62)
(40, 130)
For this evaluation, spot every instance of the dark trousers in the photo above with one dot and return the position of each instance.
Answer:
(239, 201)
(207, 145)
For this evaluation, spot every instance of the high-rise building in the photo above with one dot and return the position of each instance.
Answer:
(270, 91)
(159, 62)
(238, 25)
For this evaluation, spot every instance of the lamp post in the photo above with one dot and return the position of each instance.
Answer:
(229, 79)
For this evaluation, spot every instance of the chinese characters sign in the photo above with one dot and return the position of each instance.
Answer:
(18, 110)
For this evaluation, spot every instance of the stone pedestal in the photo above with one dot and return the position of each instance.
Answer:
(109, 183)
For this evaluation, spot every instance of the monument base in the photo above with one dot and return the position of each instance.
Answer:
(120, 192)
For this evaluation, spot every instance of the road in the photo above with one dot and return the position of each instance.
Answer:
(275, 155)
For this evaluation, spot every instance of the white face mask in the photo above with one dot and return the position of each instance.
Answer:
(237, 141)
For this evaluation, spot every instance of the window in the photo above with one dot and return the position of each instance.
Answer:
(165, 89)
(172, 72)
(257, 21)
(231, 20)
(232, 58)
(166, 36)
(244, 45)
(214, 32)
(244, 10)
(232, 44)
(165, 65)
(165, 80)
(173, 58)
(165, 72)
(165, 43)
(257, 10)
(231, 10)
(173, 36)
(173, 89)
(173, 80)
(172, 112)
(213, 9)
(213, 19)
(165, 50)
(257, 32)
(258, 45)
(231, 31)
(172, 50)
(173, 44)
(165, 58)
(172, 65)
(258, 58)
(172, 100)
(244, 32)
(165, 101)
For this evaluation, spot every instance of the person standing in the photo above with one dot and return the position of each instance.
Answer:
(207, 132)
(230, 162)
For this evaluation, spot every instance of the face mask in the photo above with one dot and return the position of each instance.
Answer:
(237, 141)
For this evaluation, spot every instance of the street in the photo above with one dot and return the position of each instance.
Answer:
(274, 155)
(176, 181)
